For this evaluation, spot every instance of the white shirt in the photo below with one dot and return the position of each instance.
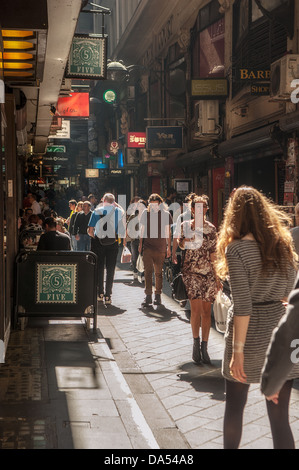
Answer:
(36, 209)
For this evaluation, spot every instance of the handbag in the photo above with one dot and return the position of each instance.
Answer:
(221, 306)
(179, 291)
(125, 256)
(140, 264)
(178, 287)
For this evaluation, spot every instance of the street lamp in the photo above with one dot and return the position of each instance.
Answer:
(117, 71)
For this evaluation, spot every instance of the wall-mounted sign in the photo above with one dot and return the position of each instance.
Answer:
(88, 58)
(92, 173)
(183, 186)
(116, 172)
(136, 140)
(75, 105)
(260, 89)
(254, 74)
(55, 159)
(164, 138)
(109, 96)
(207, 88)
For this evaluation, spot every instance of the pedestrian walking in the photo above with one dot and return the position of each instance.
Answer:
(105, 224)
(198, 240)
(80, 228)
(255, 250)
(283, 352)
(78, 209)
(185, 215)
(155, 245)
(295, 229)
(132, 239)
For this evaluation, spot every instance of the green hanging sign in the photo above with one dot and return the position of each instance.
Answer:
(87, 58)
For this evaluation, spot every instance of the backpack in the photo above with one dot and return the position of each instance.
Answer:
(105, 227)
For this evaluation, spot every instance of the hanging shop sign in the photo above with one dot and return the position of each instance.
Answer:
(64, 132)
(114, 147)
(249, 74)
(136, 140)
(87, 58)
(75, 105)
(209, 88)
(164, 138)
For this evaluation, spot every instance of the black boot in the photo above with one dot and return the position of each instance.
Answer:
(204, 352)
(147, 301)
(157, 300)
(196, 354)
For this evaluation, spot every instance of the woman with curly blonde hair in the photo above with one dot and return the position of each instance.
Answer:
(255, 251)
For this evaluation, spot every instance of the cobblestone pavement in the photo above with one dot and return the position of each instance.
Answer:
(182, 402)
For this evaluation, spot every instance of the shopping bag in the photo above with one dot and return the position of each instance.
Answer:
(139, 264)
(220, 308)
(126, 255)
(179, 292)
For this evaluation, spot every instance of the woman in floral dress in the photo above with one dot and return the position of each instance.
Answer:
(199, 240)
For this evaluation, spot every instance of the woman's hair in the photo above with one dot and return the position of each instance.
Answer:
(155, 197)
(200, 200)
(249, 211)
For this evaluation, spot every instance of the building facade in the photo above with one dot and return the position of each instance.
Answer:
(222, 72)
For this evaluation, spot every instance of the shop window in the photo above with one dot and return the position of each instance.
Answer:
(207, 43)
(175, 83)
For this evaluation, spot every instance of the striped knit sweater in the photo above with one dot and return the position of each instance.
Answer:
(260, 297)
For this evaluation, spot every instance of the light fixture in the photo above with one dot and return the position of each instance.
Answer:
(117, 71)
(109, 96)
(19, 53)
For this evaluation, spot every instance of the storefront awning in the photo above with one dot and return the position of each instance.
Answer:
(244, 143)
(195, 158)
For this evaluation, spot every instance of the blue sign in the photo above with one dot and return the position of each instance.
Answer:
(98, 163)
(164, 138)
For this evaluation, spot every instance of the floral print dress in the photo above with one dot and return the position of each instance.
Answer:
(198, 272)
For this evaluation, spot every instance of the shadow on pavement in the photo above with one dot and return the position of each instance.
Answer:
(204, 379)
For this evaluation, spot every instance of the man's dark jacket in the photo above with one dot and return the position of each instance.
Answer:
(53, 241)
(280, 355)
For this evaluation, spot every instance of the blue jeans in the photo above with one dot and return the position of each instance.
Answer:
(83, 244)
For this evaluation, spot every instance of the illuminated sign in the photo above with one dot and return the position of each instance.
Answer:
(136, 140)
(75, 105)
(109, 96)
